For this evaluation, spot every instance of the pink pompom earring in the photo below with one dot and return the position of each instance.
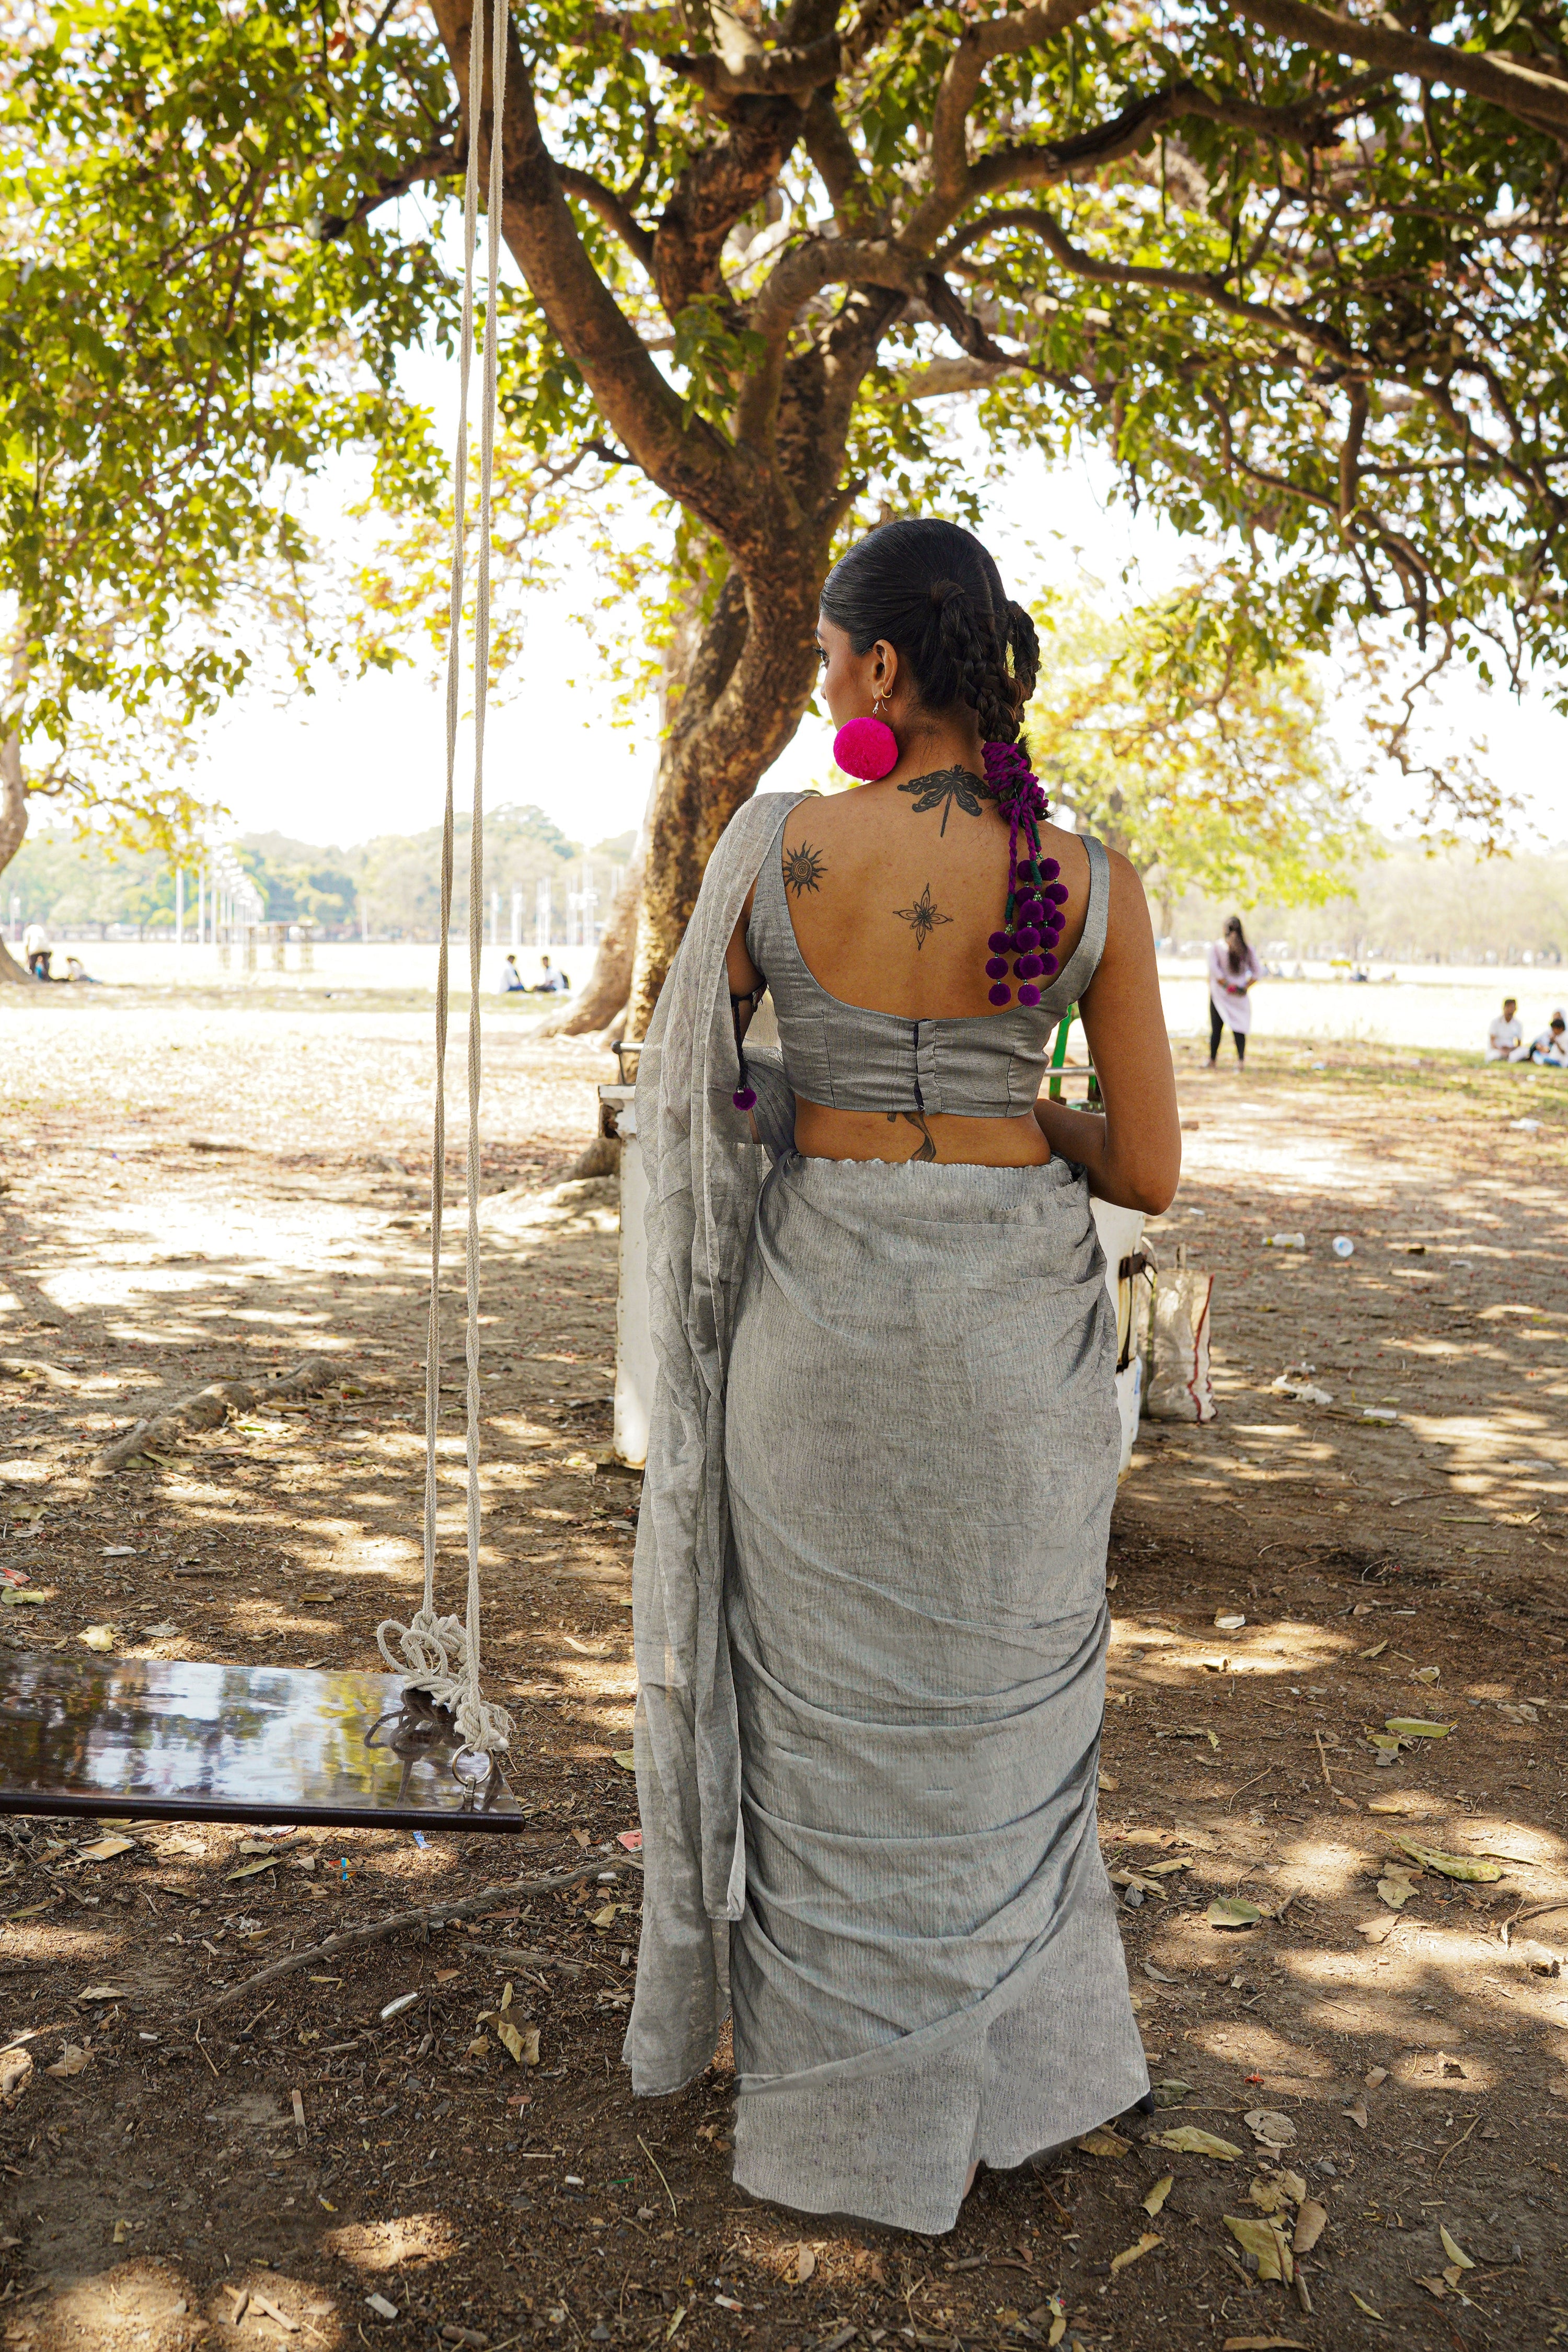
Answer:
(866, 748)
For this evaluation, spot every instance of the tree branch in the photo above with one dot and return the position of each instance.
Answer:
(612, 210)
(769, 73)
(679, 452)
(1024, 164)
(437, 163)
(1204, 283)
(1536, 97)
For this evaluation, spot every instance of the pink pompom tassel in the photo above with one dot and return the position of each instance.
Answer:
(866, 748)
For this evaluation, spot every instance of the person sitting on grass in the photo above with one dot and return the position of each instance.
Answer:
(1550, 1047)
(1506, 1035)
(552, 981)
(512, 982)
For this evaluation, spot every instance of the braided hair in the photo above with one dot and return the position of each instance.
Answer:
(930, 590)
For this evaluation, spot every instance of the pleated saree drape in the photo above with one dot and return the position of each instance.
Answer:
(871, 1621)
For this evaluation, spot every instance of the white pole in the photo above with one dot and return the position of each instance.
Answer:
(179, 905)
(495, 919)
(516, 920)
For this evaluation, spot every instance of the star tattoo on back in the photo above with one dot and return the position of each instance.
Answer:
(941, 788)
(922, 917)
(803, 868)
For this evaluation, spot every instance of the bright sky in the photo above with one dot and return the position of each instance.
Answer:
(366, 758)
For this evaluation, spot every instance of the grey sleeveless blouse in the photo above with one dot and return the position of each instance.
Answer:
(847, 1057)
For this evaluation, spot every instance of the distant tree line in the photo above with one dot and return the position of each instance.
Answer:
(389, 885)
(1400, 905)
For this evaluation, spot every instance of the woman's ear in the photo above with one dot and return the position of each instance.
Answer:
(884, 668)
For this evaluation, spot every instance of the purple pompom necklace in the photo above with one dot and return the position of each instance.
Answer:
(1036, 899)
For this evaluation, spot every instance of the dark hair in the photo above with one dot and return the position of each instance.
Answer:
(932, 591)
(1237, 947)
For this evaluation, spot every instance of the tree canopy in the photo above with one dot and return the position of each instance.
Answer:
(1295, 271)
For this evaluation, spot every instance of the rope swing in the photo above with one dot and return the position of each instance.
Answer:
(440, 1655)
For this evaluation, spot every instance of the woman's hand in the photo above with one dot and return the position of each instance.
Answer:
(1133, 1153)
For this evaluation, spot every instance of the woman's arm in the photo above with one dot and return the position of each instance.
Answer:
(746, 982)
(1132, 1152)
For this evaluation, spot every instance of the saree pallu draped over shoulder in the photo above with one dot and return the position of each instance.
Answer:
(871, 1625)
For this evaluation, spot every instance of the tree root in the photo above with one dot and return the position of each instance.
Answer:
(208, 1408)
(427, 1914)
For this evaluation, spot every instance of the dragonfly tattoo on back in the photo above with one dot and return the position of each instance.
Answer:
(942, 787)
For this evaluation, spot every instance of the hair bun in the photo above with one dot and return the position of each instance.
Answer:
(943, 591)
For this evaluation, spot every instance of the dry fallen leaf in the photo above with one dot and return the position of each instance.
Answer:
(1187, 2139)
(1432, 2286)
(1356, 2111)
(1363, 2307)
(523, 2047)
(1146, 2244)
(98, 1637)
(1376, 2078)
(1396, 1885)
(1273, 2130)
(15, 2066)
(1109, 1785)
(1449, 1865)
(1311, 2222)
(1377, 1649)
(251, 1869)
(104, 1992)
(106, 1849)
(1158, 2194)
(1104, 2142)
(1455, 2253)
(1231, 1911)
(804, 2265)
(627, 1759)
(1416, 1727)
(1266, 2242)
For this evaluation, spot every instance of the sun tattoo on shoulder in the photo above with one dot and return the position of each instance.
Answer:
(803, 868)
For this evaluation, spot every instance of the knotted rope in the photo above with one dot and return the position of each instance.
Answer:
(441, 1654)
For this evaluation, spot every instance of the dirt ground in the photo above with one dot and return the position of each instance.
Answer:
(193, 1191)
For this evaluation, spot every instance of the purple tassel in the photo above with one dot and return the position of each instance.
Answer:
(744, 1098)
(1000, 994)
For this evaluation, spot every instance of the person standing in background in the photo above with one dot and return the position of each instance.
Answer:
(36, 950)
(1233, 968)
(1506, 1034)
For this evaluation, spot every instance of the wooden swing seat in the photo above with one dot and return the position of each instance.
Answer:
(159, 1739)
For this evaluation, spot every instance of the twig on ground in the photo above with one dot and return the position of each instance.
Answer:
(654, 2161)
(1339, 1794)
(1452, 2144)
(1248, 1784)
(430, 1914)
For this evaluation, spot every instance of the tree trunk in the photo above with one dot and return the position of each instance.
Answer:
(610, 981)
(749, 680)
(13, 793)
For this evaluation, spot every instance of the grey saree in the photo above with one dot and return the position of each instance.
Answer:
(870, 1622)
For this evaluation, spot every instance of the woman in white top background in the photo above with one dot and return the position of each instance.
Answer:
(1232, 967)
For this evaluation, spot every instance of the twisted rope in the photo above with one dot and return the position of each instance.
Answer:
(441, 1654)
